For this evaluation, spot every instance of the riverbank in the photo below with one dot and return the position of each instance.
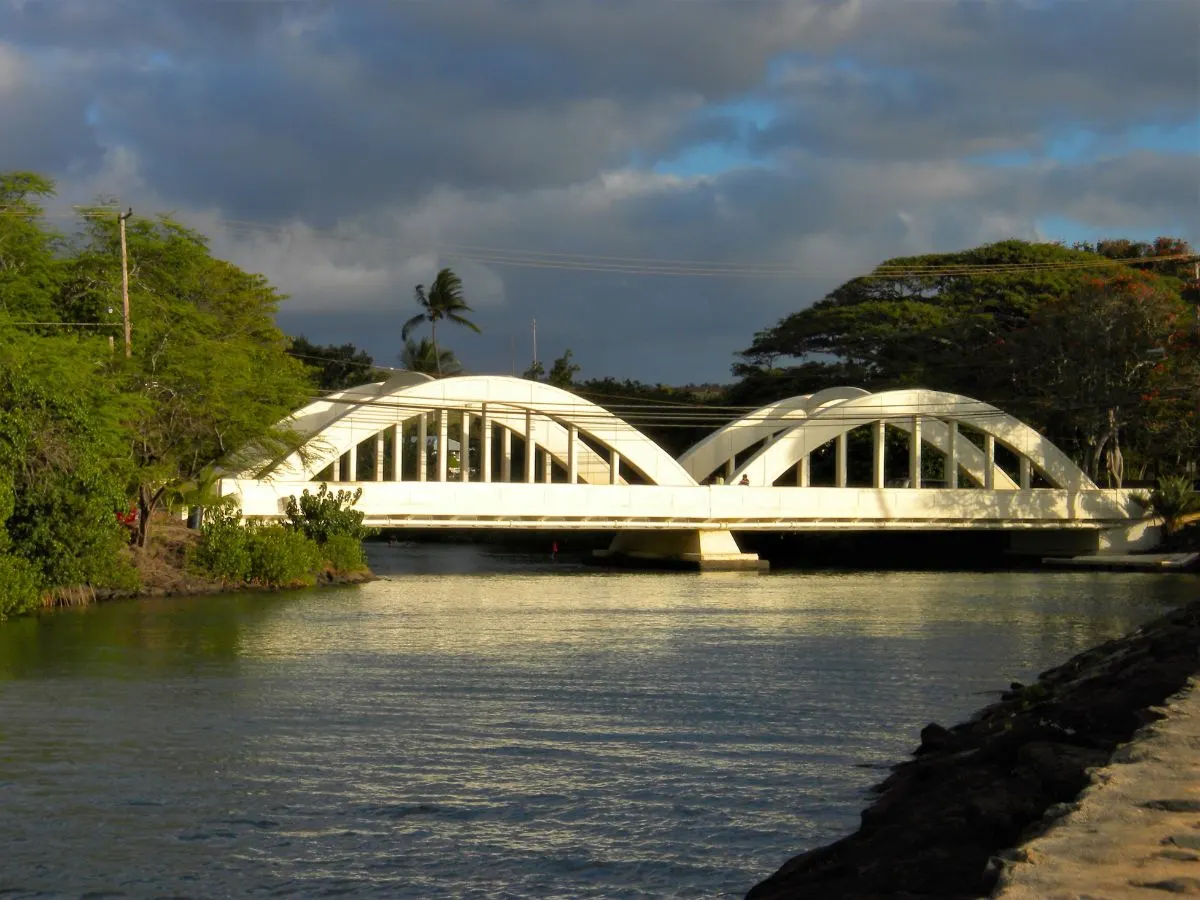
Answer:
(162, 571)
(941, 821)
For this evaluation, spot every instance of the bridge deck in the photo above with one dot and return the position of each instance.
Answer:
(459, 505)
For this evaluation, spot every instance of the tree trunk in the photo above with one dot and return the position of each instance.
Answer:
(145, 507)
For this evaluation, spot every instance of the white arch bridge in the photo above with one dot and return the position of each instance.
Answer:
(499, 452)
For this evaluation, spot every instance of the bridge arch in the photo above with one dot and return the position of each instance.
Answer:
(707, 455)
(540, 414)
(936, 411)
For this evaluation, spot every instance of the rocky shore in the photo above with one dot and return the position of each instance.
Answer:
(943, 823)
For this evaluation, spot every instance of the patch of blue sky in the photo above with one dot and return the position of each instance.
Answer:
(711, 158)
(1071, 231)
(1082, 145)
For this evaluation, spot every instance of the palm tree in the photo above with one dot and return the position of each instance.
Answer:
(1174, 501)
(422, 357)
(444, 300)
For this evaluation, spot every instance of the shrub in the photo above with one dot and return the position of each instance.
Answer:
(1171, 501)
(280, 556)
(344, 554)
(323, 515)
(224, 548)
(20, 586)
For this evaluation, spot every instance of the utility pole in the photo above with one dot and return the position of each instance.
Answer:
(125, 284)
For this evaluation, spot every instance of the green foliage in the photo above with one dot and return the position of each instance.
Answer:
(63, 468)
(443, 301)
(564, 370)
(208, 363)
(422, 356)
(281, 557)
(324, 515)
(344, 554)
(20, 586)
(336, 368)
(224, 548)
(1104, 358)
(1172, 500)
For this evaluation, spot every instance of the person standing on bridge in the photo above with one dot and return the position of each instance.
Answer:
(745, 480)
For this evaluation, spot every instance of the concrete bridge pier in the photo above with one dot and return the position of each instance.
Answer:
(706, 550)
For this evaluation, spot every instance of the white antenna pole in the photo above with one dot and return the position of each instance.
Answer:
(535, 342)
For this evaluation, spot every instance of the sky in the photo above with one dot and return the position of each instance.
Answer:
(653, 181)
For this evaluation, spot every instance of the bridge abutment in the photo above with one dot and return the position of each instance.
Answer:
(706, 550)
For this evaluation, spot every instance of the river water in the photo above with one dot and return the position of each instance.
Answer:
(479, 725)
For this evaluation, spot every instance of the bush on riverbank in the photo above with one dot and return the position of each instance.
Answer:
(323, 536)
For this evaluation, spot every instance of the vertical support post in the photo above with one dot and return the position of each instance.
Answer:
(336, 474)
(572, 454)
(804, 471)
(505, 454)
(614, 467)
(840, 455)
(398, 452)
(914, 453)
(379, 456)
(464, 447)
(443, 443)
(352, 462)
(989, 462)
(951, 463)
(730, 468)
(878, 446)
(423, 447)
(485, 445)
(547, 467)
(1026, 473)
(121, 219)
(530, 447)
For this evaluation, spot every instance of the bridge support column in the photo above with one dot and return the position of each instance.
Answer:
(804, 471)
(989, 462)
(485, 445)
(1026, 473)
(398, 452)
(505, 455)
(614, 467)
(422, 448)
(730, 468)
(464, 448)
(530, 448)
(703, 550)
(840, 458)
(878, 474)
(547, 467)
(336, 474)
(443, 443)
(572, 454)
(352, 463)
(951, 464)
(914, 453)
(379, 456)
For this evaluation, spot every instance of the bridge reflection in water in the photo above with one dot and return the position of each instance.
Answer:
(499, 452)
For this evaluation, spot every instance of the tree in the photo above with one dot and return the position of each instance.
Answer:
(209, 365)
(444, 300)
(1063, 338)
(563, 371)
(1091, 360)
(336, 368)
(423, 357)
(535, 372)
(30, 270)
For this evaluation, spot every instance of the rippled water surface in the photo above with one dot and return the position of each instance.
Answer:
(497, 726)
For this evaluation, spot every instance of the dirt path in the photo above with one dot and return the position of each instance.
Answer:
(1135, 832)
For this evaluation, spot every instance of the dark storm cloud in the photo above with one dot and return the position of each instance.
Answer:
(421, 127)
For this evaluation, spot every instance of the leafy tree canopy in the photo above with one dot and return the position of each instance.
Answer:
(336, 368)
